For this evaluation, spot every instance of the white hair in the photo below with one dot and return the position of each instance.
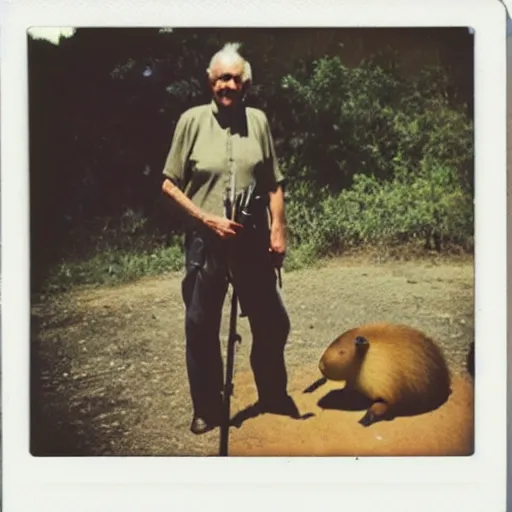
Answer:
(230, 53)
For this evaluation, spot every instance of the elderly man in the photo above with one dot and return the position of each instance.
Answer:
(212, 144)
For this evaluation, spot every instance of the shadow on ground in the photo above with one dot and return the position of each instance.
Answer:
(344, 400)
(253, 411)
(62, 421)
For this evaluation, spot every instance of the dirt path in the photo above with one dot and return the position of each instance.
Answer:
(109, 375)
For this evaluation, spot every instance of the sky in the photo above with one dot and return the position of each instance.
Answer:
(51, 34)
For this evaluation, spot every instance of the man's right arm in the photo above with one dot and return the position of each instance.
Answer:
(174, 179)
(225, 228)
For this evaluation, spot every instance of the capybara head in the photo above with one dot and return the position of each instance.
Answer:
(343, 357)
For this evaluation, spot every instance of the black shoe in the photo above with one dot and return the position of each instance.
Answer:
(201, 425)
(284, 406)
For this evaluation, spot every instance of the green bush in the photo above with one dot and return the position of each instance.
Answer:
(376, 158)
(109, 251)
(111, 267)
(430, 207)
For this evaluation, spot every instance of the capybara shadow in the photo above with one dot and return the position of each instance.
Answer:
(344, 400)
(351, 400)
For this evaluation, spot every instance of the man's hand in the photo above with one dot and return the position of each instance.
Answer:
(277, 244)
(223, 227)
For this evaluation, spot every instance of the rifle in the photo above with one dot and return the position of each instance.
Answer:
(245, 218)
(233, 338)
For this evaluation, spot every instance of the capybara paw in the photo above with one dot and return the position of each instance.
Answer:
(380, 408)
(367, 419)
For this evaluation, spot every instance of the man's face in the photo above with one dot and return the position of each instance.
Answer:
(227, 83)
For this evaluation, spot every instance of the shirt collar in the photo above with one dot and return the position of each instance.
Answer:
(214, 107)
(227, 120)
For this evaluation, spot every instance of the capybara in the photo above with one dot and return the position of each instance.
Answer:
(397, 367)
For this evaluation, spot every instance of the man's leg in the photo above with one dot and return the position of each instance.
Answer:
(204, 288)
(270, 325)
(270, 328)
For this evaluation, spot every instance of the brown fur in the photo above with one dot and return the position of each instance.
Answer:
(396, 366)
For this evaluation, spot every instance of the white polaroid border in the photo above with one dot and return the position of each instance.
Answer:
(475, 483)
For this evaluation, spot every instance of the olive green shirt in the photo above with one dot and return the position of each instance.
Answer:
(206, 148)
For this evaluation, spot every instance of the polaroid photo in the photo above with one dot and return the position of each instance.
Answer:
(254, 255)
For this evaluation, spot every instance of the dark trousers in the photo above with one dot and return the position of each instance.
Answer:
(208, 260)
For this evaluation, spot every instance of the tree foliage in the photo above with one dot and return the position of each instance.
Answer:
(375, 151)
(377, 157)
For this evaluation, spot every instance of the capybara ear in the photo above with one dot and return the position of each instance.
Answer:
(361, 344)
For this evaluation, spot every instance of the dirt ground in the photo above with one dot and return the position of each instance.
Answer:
(108, 372)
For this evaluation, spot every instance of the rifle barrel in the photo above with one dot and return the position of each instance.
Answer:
(228, 384)
(233, 337)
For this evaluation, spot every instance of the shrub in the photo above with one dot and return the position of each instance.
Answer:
(430, 206)
(376, 158)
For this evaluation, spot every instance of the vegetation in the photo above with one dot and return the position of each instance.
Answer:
(377, 154)
(385, 160)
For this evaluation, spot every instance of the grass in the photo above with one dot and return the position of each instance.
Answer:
(113, 266)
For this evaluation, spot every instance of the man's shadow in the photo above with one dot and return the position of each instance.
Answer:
(254, 410)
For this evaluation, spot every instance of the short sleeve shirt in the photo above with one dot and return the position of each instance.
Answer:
(205, 148)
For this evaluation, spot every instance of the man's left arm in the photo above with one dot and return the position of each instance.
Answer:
(274, 183)
(277, 226)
